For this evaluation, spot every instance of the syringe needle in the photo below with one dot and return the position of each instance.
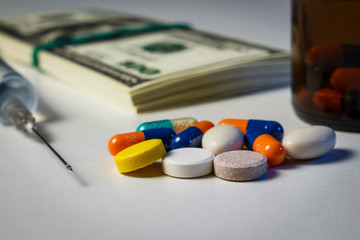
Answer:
(52, 149)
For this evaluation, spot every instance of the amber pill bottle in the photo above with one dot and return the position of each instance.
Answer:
(326, 62)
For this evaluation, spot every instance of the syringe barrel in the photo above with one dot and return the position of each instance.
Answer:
(18, 115)
(13, 86)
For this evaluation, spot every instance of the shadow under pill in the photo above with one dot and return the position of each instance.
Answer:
(288, 163)
(207, 176)
(333, 156)
(336, 155)
(153, 170)
(270, 174)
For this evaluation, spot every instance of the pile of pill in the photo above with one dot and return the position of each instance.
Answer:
(235, 149)
(332, 79)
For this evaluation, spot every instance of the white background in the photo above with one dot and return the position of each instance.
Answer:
(40, 199)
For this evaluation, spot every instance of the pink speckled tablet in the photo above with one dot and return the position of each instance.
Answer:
(240, 165)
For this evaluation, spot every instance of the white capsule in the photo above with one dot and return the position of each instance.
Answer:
(309, 142)
(223, 138)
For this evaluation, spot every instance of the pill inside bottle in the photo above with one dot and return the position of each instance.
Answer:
(326, 63)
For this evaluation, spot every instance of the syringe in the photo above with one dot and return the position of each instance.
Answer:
(17, 99)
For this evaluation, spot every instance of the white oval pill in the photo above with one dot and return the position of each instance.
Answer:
(240, 165)
(309, 142)
(188, 162)
(223, 138)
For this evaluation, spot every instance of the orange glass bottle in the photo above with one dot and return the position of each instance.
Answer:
(326, 62)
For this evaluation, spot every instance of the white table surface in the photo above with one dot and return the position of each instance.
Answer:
(40, 199)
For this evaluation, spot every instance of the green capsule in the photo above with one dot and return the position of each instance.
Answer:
(177, 125)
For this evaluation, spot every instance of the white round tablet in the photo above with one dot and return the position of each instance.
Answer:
(309, 142)
(223, 138)
(188, 162)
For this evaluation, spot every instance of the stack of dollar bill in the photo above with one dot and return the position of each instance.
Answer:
(145, 70)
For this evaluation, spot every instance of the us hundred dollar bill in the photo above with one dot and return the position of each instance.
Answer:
(135, 60)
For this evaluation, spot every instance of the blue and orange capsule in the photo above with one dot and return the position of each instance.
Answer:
(271, 127)
(121, 141)
(192, 136)
(262, 142)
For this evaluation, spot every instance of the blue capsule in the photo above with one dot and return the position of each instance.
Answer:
(271, 127)
(165, 134)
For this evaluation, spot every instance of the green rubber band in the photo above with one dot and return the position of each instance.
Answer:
(103, 35)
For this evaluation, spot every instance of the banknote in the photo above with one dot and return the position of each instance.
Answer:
(136, 60)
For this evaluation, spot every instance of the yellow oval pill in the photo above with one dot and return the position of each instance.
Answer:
(140, 155)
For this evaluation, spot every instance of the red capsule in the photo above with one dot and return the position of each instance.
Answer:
(332, 100)
(304, 96)
(325, 54)
(328, 99)
(334, 55)
(345, 79)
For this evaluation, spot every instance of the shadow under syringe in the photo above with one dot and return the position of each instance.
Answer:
(45, 115)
